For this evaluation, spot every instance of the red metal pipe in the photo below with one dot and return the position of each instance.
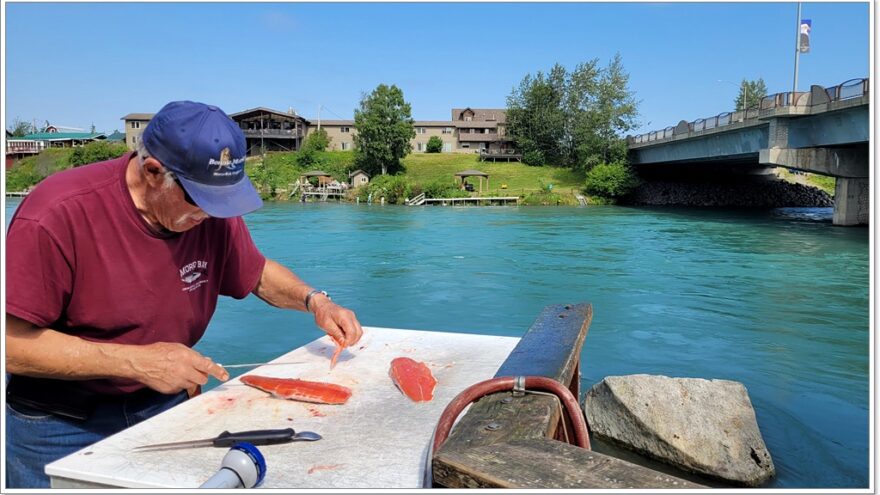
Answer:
(501, 384)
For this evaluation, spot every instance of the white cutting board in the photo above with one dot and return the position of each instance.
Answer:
(378, 439)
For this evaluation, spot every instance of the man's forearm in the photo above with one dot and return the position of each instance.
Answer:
(47, 353)
(281, 288)
(167, 367)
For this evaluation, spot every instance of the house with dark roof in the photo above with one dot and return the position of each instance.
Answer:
(271, 130)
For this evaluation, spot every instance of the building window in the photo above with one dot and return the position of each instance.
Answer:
(420, 146)
(421, 130)
(345, 145)
(447, 130)
(345, 129)
(466, 145)
(447, 147)
(135, 125)
(134, 140)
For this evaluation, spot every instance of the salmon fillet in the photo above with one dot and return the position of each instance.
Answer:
(301, 390)
(413, 378)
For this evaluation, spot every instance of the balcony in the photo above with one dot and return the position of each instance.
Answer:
(476, 137)
(273, 133)
(24, 146)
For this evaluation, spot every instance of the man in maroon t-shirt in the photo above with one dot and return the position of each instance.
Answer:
(112, 274)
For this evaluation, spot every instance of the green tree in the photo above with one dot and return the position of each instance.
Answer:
(751, 93)
(435, 145)
(384, 126)
(20, 128)
(612, 112)
(575, 119)
(317, 140)
(535, 117)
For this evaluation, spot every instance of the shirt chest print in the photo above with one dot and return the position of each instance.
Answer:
(194, 275)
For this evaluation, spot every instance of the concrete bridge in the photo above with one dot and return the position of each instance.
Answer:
(823, 131)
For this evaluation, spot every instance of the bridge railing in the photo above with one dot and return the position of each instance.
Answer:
(852, 88)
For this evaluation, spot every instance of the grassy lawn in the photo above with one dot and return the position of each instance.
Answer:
(823, 182)
(520, 179)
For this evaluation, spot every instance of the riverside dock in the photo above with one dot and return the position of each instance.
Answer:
(477, 201)
(379, 438)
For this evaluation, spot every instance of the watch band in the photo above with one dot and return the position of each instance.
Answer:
(312, 294)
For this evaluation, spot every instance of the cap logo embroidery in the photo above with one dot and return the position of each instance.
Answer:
(226, 162)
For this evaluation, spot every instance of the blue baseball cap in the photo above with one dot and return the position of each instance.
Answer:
(206, 151)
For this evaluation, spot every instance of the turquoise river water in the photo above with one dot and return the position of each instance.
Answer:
(775, 299)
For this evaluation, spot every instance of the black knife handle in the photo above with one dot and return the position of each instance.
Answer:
(256, 437)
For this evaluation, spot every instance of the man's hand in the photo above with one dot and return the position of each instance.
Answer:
(340, 323)
(169, 367)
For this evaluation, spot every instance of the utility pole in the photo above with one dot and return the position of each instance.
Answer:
(797, 53)
(319, 116)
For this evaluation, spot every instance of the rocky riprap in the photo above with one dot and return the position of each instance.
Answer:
(757, 194)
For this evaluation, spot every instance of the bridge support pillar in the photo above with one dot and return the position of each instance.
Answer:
(851, 201)
(848, 166)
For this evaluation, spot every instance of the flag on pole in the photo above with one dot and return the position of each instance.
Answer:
(804, 44)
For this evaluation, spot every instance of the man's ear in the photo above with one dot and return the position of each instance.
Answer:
(154, 172)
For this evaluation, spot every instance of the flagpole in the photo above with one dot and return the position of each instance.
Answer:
(797, 53)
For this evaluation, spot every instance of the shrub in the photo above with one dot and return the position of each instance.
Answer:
(611, 180)
(534, 158)
(445, 189)
(29, 171)
(435, 145)
(306, 157)
(394, 188)
(22, 176)
(96, 151)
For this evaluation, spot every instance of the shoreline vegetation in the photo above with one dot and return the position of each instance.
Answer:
(430, 173)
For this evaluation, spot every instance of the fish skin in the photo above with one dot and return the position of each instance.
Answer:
(299, 390)
(413, 378)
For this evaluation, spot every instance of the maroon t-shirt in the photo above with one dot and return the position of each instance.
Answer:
(81, 260)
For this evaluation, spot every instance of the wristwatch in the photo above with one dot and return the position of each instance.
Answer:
(311, 294)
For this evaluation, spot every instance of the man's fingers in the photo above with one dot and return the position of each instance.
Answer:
(219, 373)
(207, 366)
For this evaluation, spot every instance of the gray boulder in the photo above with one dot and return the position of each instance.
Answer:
(702, 426)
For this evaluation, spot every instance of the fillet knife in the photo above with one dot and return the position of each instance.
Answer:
(255, 365)
(227, 439)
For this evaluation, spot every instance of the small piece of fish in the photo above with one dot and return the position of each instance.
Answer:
(413, 378)
(301, 390)
(339, 348)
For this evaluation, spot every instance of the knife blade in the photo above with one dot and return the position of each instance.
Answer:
(255, 365)
(227, 439)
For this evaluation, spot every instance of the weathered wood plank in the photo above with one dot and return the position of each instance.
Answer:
(545, 463)
(550, 348)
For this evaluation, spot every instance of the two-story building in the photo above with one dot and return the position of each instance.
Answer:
(135, 123)
(471, 130)
(271, 130)
(481, 130)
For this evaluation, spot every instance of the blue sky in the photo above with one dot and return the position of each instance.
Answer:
(78, 64)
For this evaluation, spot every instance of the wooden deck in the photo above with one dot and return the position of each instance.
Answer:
(323, 194)
(490, 156)
(500, 200)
